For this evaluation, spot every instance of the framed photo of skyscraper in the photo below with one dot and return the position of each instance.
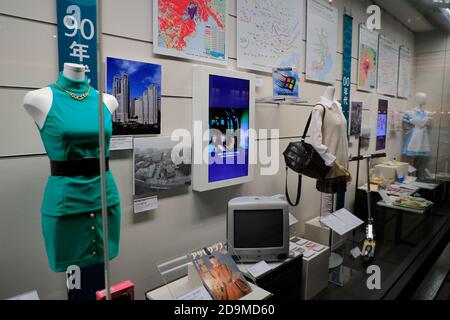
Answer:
(137, 87)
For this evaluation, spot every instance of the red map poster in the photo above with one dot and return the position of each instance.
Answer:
(192, 29)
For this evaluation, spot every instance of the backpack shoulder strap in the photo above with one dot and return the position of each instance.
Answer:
(308, 123)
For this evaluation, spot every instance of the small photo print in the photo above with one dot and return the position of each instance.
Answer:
(137, 88)
(285, 82)
(356, 118)
(160, 164)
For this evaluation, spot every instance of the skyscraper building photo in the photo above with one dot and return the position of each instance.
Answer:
(137, 88)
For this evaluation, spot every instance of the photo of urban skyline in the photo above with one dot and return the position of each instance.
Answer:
(160, 165)
(137, 87)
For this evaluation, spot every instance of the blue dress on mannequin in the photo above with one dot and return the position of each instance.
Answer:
(417, 143)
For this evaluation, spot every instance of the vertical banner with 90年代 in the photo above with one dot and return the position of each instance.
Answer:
(77, 35)
(347, 65)
(346, 82)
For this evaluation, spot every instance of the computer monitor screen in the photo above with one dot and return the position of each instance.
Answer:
(258, 228)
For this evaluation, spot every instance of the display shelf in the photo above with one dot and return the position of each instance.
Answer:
(382, 203)
(183, 285)
(282, 100)
(182, 280)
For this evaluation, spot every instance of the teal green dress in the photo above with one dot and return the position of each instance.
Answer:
(71, 207)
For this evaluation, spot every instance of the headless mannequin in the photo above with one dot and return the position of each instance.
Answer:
(319, 137)
(421, 101)
(327, 199)
(329, 93)
(37, 103)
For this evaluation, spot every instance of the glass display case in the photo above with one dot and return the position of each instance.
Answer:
(96, 93)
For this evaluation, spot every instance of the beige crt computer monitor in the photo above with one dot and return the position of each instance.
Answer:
(258, 228)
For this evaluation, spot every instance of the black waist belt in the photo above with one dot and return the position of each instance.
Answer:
(73, 168)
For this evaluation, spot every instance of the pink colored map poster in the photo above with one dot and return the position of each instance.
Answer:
(191, 29)
(367, 59)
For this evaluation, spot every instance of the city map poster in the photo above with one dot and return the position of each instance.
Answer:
(137, 88)
(368, 59)
(191, 29)
(321, 44)
(387, 66)
(404, 73)
(161, 165)
(269, 34)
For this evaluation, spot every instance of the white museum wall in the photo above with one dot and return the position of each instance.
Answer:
(182, 222)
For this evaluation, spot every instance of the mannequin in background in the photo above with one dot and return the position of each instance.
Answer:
(417, 123)
(329, 139)
(67, 115)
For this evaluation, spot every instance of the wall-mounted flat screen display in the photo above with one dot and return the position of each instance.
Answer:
(229, 102)
(223, 122)
(382, 124)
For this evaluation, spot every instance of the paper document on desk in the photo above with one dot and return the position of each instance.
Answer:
(199, 293)
(424, 185)
(341, 221)
(385, 196)
(334, 223)
(259, 269)
(348, 217)
(292, 220)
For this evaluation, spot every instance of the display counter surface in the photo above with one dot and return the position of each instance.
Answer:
(402, 253)
(183, 285)
(381, 203)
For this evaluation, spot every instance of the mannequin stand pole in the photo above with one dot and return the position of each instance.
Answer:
(335, 259)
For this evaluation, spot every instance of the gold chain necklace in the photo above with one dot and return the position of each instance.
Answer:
(73, 95)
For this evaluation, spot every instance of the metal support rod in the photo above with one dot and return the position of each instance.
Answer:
(369, 203)
(102, 148)
(358, 164)
(330, 235)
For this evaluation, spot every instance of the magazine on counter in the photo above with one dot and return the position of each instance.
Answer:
(220, 275)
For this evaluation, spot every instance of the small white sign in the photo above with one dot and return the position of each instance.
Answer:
(411, 169)
(384, 196)
(302, 242)
(356, 252)
(259, 82)
(121, 143)
(145, 204)
(318, 248)
(199, 293)
(292, 246)
(32, 295)
(308, 253)
(292, 220)
(259, 269)
(341, 221)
